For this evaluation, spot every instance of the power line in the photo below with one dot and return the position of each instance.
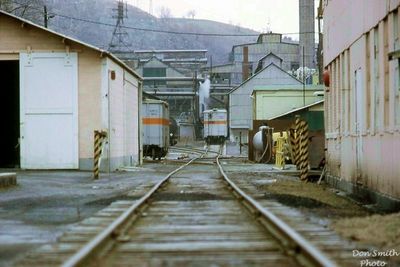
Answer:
(158, 30)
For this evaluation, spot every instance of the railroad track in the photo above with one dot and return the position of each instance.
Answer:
(193, 150)
(192, 217)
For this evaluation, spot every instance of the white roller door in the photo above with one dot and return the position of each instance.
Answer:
(49, 110)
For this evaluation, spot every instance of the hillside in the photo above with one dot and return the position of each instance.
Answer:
(100, 35)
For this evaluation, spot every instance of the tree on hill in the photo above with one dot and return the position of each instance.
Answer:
(28, 9)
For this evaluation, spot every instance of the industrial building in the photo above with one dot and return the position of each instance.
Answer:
(275, 100)
(186, 61)
(362, 98)
(57, 91)
(313, 114)
(249, 55)
(173, 76)
(240, 98)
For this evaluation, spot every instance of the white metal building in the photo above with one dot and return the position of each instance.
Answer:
(240, 101)
(59, 90)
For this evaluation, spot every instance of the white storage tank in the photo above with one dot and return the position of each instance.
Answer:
(215, 126)
(155, 119)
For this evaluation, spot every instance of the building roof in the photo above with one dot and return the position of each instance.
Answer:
(103, 52)
(308, 87)
(257, 73)
(170, 51)
(270, 54)
(166, 64)
(257, 43)
(298, 109)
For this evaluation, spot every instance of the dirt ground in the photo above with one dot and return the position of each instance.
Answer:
(382, 231)
(348, 218)
(319, 199)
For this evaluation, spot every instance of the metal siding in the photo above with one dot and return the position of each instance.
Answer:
(131, 118)
(240, 101)
(379, 142)
(215, 123)
(156, 134)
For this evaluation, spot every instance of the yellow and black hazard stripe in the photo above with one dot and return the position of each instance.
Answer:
(303, 150)
(99, 136)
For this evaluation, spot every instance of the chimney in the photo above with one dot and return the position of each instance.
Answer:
(307, 36)
(245, 63)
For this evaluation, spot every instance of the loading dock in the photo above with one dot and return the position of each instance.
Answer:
(9, 143)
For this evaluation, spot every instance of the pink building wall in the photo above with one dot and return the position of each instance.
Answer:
(362, 106)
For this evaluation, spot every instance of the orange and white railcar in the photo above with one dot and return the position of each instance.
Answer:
(215, 126)
(155, 119)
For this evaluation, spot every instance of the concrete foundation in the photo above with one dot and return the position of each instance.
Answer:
(380, 201)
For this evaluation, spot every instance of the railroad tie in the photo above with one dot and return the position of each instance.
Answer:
(303, 157)
(99, 136)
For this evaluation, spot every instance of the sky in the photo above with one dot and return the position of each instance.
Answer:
(261, 15)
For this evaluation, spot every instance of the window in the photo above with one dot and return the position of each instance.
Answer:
(385, 75)
(397, 94)
(376, 79)
(396, 86)
(396, 31)
(154, 72)
(368, 87)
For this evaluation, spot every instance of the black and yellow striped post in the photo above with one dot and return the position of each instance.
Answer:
(303, 155)
(296, 142)
(99, 136)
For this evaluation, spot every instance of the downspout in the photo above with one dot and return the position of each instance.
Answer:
(109, 121)
(140, 88)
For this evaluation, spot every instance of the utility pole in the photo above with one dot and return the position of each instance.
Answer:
(120, 38)
(151, 7)
(46, 17)
(304, 81)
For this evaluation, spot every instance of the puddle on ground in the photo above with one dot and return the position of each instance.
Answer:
(296, 201)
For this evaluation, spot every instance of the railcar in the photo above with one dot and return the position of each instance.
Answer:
(215, 126)
(155, 119)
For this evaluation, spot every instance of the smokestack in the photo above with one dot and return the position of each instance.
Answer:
(307, 36)
(245, 64)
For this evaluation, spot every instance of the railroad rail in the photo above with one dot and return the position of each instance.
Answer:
(185, 220)
(292, 242)
(81, 257)
(193, 150)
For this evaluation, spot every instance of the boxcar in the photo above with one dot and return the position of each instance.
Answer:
(155, 118)
(215, 126)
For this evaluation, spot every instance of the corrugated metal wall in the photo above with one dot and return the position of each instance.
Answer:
(362, 125)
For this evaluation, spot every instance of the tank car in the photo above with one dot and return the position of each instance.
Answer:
(215, 126)
(155, 119)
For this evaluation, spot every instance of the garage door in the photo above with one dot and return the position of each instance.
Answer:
(49, 110)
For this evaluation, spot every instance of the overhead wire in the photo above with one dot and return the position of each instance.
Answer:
(159, 30)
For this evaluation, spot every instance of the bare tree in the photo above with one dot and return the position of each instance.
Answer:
(28, 9)
(191, 14)
(165, 13)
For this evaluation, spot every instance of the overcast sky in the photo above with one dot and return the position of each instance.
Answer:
(261, 15)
